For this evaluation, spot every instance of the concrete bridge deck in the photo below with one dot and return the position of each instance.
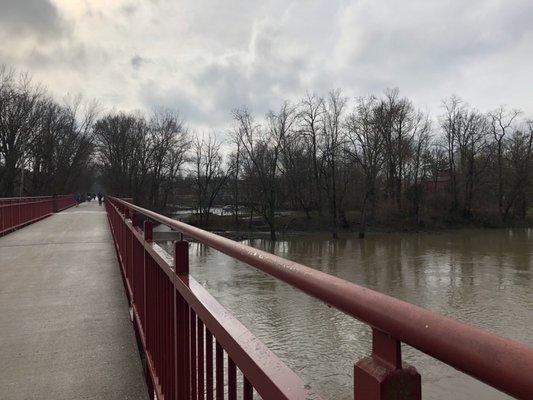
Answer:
(64, 320)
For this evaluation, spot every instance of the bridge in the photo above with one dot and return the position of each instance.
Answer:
(91, 307)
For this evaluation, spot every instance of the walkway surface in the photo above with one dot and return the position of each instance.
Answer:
(65, 331)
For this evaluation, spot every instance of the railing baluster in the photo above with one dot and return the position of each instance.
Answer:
(209, 364)
(247, 389)
(169, 300)
(148, 235)
(200, 341)
(158, 329)
(182, 316)
(219, 371)
(165, 344)
(232, 380)
(194, 359)
(172, 337)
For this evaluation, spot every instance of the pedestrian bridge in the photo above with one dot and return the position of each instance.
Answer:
(65, 331)
(92, 308)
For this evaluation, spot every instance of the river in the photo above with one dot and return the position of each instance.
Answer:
(481, 277)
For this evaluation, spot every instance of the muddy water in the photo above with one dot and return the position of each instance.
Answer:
(482, 277)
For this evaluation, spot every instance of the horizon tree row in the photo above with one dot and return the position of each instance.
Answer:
(369, 160)
(45, 146)
(383, 159)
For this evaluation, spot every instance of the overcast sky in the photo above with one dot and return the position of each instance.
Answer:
(204, 58)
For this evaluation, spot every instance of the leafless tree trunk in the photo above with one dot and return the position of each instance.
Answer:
(366, 149)
(312, 112)
(501, 122)
(332, 142)
(263, 146)
(208, 174)
(20, 111)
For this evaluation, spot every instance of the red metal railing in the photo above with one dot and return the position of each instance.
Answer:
(176, 320)
(17, 212)
(190, 342)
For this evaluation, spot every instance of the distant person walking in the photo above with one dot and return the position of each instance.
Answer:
(100, 198)
(77, 198)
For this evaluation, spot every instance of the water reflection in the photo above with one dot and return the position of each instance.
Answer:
(479, 277)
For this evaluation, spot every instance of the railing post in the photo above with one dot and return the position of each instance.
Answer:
(135, 219)
(182, 328)
(383, 376)
(131, 257)
(181, 257)
(148, 231)
(148, 237)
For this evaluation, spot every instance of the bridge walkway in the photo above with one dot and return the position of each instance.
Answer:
(65, 331)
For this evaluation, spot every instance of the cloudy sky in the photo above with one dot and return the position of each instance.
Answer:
(206, 57)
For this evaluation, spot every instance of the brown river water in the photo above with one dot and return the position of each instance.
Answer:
(481, 277)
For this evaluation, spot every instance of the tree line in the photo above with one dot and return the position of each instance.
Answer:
(45, 146)
(347, 162)
(385, 159)
(51, 147)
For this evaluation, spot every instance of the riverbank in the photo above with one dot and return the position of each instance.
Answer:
(290, 224)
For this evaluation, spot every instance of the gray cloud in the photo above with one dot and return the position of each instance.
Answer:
(155, 96)
(37, 18)
(129, 9)
(205, 58)
(137, 61)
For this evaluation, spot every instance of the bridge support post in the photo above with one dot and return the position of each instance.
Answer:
(182, 354)
(383, 376)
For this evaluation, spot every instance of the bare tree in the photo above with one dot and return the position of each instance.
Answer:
(174, 160)
(450, 123)
(140, 157)
(235, 169)
(501, 121)
(418, 164)
(169, 142)
(471, 141)
(366, 149)
(331, 146)
(311, 114)
(263, 146)
(123, 151)
(63, 145)
(465, 130)
(298, 172)
(208, 174)
(519, 160)
(20, 111)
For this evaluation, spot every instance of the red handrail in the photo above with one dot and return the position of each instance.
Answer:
(174, 314)
(504, 364)
(17, 212)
